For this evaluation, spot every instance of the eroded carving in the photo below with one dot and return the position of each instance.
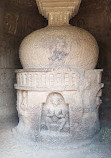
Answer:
(11, 23)
(55, 113)
(59, 53)
(57, 79)
(23, 103)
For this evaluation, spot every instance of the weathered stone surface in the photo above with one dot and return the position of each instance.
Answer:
(58, 92)
(7, 93)
(16, 22)
(93, 16)
(73, 94)
(64, 46)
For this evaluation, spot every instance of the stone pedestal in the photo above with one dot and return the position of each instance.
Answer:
(59, 89)
(62, 101)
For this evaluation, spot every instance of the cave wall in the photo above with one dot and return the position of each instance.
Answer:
(18, 18)
(95, 17)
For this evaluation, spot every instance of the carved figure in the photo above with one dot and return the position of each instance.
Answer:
(56, 111)
(23, 110)
(23, 105)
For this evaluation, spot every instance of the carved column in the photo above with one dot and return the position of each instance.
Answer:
(59, 88)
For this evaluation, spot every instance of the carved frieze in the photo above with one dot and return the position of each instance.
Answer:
(64, 79)
(61, 79)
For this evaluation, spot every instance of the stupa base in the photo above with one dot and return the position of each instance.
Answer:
(13, 145)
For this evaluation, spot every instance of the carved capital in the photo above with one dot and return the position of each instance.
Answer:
(58, 12)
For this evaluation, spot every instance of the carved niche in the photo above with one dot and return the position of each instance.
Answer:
(55, 114)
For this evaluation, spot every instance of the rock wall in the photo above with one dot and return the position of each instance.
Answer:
(18, 18)
(95, 16)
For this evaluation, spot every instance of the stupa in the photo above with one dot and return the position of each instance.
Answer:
(59, 90)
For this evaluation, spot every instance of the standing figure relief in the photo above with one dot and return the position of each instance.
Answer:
(22, 108)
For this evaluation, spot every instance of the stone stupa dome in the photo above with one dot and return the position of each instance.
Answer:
(59, 46)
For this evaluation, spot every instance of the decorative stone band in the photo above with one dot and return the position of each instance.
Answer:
(61, 79)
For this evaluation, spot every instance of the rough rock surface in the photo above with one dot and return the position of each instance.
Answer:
(16, 147)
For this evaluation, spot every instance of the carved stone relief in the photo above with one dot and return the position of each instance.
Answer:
(11, 23)
(59, 79)
(64, 110)
(55, 114)
(23, 107)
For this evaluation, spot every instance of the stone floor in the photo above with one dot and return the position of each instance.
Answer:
(11, 147)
